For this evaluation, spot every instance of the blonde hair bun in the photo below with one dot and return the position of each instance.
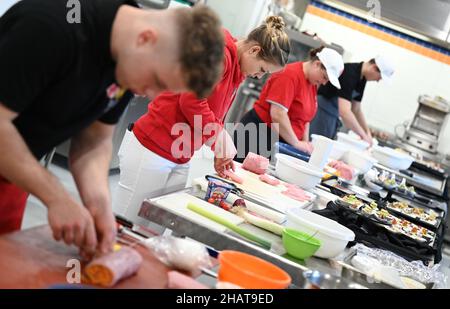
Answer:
(275, 22)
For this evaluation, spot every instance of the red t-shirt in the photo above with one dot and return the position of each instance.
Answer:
(289, 89)
(169, 123)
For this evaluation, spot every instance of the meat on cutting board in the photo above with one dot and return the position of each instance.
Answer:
(112, 267)
(296, 193)
(345, 170)
(231, 175)
(269, 179)
(255, 163)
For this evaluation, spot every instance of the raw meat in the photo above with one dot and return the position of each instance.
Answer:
(269, 179)
(255, 163)
(296, 193)
(179, 281)
(345, 171)
(110, 268)
(231, 175)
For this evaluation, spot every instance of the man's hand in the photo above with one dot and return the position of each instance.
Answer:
(105, 225)
(220, 165)
(72, 223)
(305, 146)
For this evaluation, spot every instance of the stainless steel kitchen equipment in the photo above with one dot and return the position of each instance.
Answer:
(424, 130)
(182, 226)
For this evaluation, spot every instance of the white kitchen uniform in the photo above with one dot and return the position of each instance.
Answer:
(144, 174)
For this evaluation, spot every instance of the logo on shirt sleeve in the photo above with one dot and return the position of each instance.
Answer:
(114, 94)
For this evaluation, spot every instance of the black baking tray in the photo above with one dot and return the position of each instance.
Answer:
(375, 235)
(383, 223)
(425, 201)
(384, 203)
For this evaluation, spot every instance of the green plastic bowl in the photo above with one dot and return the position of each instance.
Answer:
(298, 244)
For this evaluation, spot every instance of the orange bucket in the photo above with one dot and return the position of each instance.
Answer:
(250, 272)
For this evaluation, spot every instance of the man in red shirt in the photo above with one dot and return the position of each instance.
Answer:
(287, 103)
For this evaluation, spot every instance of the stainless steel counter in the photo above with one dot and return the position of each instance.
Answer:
(181, 226)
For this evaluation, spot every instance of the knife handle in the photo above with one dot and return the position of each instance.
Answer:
(124, 221)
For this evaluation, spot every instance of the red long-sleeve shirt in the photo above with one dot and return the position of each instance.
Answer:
(168, 127)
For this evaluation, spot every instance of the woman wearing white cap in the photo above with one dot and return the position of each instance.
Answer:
(287, 103)
(346, 101)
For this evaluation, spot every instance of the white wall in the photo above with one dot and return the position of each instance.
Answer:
(240, 16)
(6, 4)
(384, 105)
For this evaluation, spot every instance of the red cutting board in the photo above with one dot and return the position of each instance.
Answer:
(33, 259)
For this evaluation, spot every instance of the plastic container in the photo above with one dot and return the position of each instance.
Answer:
(218, 188)
(322, 149)
(391, 158)
(297, 172)
(363, 162)
(250, 272)
(291, 151)
(332, 235)
(339, 150)
(298, 244)
(353, 142)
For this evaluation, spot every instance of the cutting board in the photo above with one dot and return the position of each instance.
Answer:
(177, 203)
(270, 195)
(32, 259)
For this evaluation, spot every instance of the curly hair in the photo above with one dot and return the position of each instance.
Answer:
(202, 48)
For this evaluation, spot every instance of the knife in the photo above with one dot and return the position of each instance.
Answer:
(135, 228)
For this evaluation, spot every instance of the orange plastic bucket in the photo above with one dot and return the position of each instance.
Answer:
(250, 272)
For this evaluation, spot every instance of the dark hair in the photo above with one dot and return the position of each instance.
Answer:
(201, 48)
(372, 61)
(274, 41)
(313, 53)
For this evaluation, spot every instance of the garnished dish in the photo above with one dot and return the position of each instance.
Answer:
(390, 221)
(353, 202)
(412, 230)
(428, 216)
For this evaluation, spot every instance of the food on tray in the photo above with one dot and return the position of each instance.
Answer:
(296, 193)
(385, 216)
(390, 182)
(411, 191)
(269, 180)
(383, 176)
(354, 202)
(429, 216)
(373, 205)
(344, 170)
(413, 231)
(255, 163)
(110, 268)
(367, 210)
(233, 176)
(402, 186)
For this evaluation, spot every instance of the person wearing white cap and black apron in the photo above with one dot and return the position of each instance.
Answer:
(287, 103)
(346, 102)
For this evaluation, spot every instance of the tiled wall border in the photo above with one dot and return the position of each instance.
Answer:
(381, 32)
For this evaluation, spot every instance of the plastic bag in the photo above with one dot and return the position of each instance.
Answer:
(180, 253)
(415, 269)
